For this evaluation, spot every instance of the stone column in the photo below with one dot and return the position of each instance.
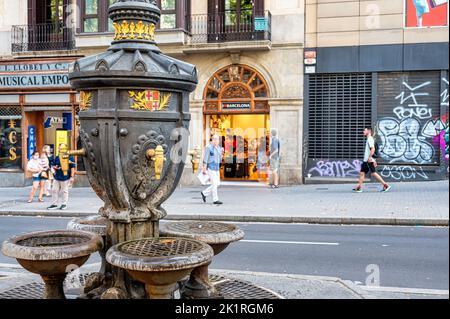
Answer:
(286, 116)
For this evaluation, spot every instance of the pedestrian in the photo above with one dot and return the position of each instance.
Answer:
(211, 167)
(46, 150)
(35, 168)
(369, 164)
(274, 159)
(62, 179)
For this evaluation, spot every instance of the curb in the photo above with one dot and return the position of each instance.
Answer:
(262, 219)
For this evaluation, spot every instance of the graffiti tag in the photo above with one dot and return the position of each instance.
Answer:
(402, 141)
(403, 172)
(325, 168)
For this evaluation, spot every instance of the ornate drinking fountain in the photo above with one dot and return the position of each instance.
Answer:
(134, 118)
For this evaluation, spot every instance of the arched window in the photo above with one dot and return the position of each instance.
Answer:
(236, 89)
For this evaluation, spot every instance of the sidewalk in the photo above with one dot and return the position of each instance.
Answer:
(421, 203)
(288, 286)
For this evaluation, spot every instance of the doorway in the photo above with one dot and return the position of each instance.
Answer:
(245, 139)
(47, 29)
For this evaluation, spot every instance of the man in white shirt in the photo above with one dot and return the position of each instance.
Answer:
(369, 164)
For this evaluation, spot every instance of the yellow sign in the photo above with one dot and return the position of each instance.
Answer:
(62, 137)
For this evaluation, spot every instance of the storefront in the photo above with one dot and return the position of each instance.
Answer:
(236, 108)
(37, 108)
(405, 102)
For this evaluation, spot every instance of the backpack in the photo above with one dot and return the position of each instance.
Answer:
(376, 154)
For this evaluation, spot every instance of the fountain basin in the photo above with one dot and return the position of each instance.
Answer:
(218, 236)
(52, 254)
(160, 262)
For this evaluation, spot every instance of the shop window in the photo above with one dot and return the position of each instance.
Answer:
(10, 138)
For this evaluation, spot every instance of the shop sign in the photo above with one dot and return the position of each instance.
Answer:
(31, 140)
(310, 61)
(310, 69)
(235, 106)
(18, 75)
(310, 54)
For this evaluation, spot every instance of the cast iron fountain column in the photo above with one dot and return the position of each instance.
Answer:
(134, 108)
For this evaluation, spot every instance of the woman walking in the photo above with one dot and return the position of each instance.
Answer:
(34, 166)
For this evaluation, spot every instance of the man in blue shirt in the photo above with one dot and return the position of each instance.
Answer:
(211, 167)
(62, 179)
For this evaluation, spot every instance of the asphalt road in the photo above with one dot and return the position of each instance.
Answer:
(407, 257)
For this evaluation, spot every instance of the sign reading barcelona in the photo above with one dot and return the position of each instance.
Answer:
(149, 100)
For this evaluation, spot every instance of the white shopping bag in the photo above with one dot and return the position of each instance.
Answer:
(203, 178)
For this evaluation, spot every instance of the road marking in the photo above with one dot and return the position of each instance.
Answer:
(420, 291)
(288, 242)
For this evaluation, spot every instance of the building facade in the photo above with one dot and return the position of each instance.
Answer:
(382, 64)
(248, 55)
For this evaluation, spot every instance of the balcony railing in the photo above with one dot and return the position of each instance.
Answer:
(244, 25)
(42, 37)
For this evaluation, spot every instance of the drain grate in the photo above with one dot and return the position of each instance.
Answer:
(228, 288)
(236, 289)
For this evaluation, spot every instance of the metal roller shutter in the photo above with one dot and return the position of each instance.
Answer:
(408, 110)
(340, 106)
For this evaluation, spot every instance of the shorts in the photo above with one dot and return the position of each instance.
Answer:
(37, 179)
(368, 168)
(274, 164)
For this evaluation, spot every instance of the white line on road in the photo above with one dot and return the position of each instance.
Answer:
(288, 242)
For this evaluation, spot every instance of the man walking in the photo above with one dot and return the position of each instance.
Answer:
(274, 159)
(369, 164)
(62, 179)
(211, 166)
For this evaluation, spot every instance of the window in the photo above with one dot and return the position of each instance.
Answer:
(95, 17)
(168, 14)
(10, 138)
(90, 19)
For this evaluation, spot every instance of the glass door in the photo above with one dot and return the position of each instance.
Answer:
(238, 19)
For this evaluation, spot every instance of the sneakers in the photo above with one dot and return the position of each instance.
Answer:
(218, 203)
(203, 197)
(386, 188)
(357, 190)
(52, 207)
(63, 207)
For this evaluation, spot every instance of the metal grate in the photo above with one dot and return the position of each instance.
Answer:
(408, 117)
(200, 227)
(340, 106)
(236, 289)
(160, 247)
(10, 113)
(228, 288)
(35, 290)
(51, 241)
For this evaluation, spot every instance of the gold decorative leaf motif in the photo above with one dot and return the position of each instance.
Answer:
(149, 100)
(85, 100)
(124, 30)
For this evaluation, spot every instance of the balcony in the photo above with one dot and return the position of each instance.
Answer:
(41, 37)
(245, 29)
